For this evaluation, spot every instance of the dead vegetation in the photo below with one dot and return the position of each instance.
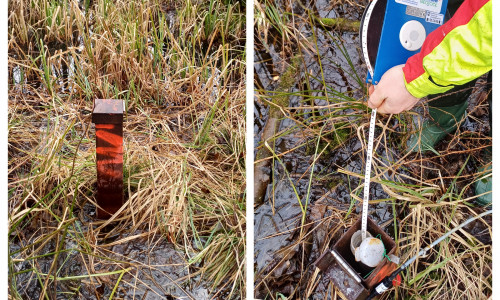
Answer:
(416, 197)
(179, 67)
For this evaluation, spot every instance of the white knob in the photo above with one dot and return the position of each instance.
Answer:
(412, 35)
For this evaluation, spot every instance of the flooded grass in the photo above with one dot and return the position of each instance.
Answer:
(179, 67)
(313, 179)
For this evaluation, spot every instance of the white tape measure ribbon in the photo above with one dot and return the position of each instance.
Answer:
(368, 168)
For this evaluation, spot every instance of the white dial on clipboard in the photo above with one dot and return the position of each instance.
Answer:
(412, 35)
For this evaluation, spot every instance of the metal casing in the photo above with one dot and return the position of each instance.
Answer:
(108, 118)
(333, 269)
(107, 111)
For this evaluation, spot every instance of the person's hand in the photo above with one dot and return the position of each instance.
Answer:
(390, 96)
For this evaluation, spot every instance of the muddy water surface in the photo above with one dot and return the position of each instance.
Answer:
(156, 271)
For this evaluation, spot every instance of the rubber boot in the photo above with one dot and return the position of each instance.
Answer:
(444, 120)
(483, 186)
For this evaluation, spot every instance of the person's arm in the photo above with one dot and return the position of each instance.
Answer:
(453, 54)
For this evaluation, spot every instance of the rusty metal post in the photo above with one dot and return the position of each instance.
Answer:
(108, 119)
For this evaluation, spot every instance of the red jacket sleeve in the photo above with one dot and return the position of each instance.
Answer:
(455, 53)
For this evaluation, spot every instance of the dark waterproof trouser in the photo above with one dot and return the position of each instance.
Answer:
(458, 94)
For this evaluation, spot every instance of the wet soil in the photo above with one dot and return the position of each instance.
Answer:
(157, 270)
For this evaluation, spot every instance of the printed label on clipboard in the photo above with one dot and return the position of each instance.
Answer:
(430, 5)
(433, 17)
(416, 12)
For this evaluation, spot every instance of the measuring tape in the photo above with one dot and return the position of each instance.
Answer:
(366, 194)
(364, 35)
(368, 168)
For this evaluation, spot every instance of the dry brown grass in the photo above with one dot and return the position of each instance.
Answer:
(179, 68)
(426, 194)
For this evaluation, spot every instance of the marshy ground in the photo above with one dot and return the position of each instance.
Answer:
(311, 127)
(179, 67)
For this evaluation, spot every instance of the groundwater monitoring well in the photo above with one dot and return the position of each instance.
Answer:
(352, 279)
(107, 116)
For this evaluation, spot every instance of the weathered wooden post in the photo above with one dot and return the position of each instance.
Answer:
(108, 119)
